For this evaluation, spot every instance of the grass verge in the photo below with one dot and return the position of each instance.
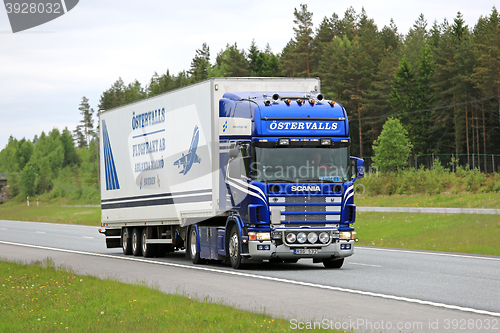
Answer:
(58, 212)
(466, 233)
(41, 297)
(470, 200)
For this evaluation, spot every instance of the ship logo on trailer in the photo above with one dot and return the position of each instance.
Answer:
(186, 161)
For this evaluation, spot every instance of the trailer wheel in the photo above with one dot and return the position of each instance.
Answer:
(148, 250)
(330, 263)
(193, 253)
(136, 242)
(235, 248)
(126, 242)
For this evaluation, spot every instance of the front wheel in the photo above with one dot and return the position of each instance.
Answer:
(235, 248)
(192, 247)
(330, 263)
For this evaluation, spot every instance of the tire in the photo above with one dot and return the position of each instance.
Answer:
(234, 248)
(126, 242)
(193, 253)
(330, 263)
(148, 250)
(136, 242)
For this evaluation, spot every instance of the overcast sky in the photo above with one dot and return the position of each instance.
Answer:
(45, 71)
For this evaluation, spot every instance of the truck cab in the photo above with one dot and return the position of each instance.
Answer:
(288, 178)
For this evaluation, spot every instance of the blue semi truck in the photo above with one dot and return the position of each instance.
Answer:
(238, 170)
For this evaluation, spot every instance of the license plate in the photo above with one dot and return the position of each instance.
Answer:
(305, 251)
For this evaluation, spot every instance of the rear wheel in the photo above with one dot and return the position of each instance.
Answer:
(148, 250)
(192, 247)
(136, 242)
(330, 263)
(235, 248)
(126, 242)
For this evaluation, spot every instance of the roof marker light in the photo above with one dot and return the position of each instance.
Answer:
(332, 103)
(312, 101)
(287, 101)
(299, 101)
(267, 102)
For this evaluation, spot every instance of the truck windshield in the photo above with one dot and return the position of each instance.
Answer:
(301, 164)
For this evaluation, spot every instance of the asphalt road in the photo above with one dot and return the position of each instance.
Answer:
(377, 289)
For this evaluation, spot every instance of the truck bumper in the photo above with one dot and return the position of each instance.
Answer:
(265, 250)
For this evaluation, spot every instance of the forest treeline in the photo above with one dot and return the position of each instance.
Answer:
(442, 81)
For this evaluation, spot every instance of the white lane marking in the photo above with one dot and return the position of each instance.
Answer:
(429, 253)
(356, 263)
(88, 237)
(268, 278)
(3, 228)
(40, 232)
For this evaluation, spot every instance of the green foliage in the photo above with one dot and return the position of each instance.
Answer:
(14, 185)
(200, 65)
(28, 177)
(231, 62)
(437, 180)
(392, 148)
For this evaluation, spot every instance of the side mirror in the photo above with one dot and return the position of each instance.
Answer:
(359, 167)
(233, 153)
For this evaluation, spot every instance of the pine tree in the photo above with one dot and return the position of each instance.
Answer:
(253, 55)
(200, 65)
(303, 40)
(87, 122)
(231, 62)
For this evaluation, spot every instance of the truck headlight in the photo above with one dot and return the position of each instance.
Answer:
(324, 237)
(301, 237)
(290, 238)
(260, 236)
(345, 235)
(312, 237)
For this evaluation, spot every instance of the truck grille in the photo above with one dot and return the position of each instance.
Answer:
(306, 200)
(320, 208)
